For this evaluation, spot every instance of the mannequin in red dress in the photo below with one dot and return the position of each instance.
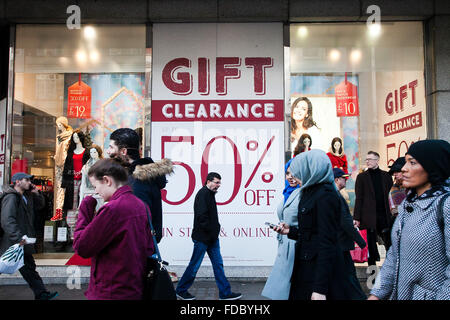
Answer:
(337, 156)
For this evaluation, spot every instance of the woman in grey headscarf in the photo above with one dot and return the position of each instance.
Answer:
(318, 267)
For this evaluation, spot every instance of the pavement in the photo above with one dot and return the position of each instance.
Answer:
(202, 289)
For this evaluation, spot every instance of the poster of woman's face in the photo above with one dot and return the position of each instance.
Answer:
(315, 116)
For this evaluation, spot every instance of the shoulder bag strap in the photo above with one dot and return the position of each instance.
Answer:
(156, 255)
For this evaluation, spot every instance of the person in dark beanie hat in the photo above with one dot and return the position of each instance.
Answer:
(420, 229)
(434, 156)
(397, 166)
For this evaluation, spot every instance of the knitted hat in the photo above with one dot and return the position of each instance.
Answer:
(397, 165)
(434, 156)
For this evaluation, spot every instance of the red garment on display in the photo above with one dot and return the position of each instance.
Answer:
(77, 165)
(338, 161)
(76, 260)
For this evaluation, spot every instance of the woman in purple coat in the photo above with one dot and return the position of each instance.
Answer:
(117, 238)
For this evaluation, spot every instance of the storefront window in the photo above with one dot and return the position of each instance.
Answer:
(72, 89)
(364, 86)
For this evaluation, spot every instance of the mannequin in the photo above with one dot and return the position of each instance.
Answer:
(62, 143)
(86, 187)
(71, 180)
(337, 156)
(303, 144)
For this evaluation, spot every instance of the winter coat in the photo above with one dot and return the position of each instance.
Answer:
(206, 221)
(348, 235)
(67, 178)
(365, 203)
(279, 281)
(319, 263)
(118, 239)
(417, 265)
(147, 179)
(17, 217)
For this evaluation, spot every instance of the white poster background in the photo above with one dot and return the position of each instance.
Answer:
(395, 145)
(245, 240)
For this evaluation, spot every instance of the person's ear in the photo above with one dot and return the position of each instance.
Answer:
(107, 180)
(123, 151)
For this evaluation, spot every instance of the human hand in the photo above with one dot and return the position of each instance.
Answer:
(356, 223)
(372, 297)
(34, 189)
(282, 228)
(318, 296)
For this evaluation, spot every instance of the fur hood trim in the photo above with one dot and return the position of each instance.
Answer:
(153, 170)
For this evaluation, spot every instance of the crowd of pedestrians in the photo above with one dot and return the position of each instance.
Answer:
(409, 215)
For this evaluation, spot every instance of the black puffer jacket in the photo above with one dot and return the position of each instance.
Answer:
(17, 217)
(147, 178)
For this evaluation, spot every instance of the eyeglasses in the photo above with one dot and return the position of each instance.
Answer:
(371, 159)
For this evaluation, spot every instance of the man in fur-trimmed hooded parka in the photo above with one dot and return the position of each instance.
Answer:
(146, 177)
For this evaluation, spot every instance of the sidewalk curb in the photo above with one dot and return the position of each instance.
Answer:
(65, 274)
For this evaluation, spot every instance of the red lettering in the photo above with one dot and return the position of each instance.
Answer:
(181, 83)
(412, 85)
(403, 95)
(203, 76)
(259, 65)
(389, 105)
(225, 69)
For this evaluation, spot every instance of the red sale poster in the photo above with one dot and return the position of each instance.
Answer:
(221, 109)
(79, 101)
(346, 99)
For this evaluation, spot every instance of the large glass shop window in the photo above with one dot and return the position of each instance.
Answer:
(72, 89)
(355, 89)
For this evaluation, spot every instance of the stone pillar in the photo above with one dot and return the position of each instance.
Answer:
(437, 70)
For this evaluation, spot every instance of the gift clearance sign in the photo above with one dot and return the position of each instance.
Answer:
(402, 110)
(218, 105)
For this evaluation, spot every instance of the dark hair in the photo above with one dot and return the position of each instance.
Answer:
(308, 122)
(99, 150)
(335, 140)
(374, 153)
(109, 167)
(211, 176)
(300, 147)
(129, 139)
(73, 145)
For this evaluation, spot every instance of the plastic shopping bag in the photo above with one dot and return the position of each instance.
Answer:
(360, 255)
(12, 259)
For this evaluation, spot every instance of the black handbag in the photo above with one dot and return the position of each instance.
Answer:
(158, 284)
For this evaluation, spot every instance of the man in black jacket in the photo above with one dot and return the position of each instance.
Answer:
(146, 177)
(17, 220)
(205, 236)
(348, 235)
(372, 211)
